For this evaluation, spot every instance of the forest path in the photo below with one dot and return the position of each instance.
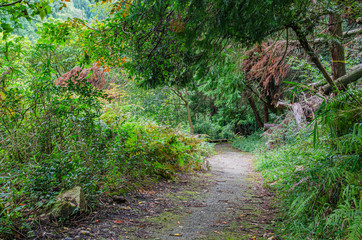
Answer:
(233, 206)
(227, 202)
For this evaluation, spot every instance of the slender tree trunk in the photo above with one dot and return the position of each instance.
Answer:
(186, 101)
(255, 110)
(187, 104)
(266, 113)
(337, 48)
(212, 107)
(192, 131)
(313, 56)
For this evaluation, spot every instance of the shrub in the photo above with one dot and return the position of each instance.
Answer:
(52, 139)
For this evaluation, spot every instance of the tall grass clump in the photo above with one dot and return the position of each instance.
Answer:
(317, 180)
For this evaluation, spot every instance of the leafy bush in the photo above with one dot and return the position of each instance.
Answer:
(52, 139)
(249, 143)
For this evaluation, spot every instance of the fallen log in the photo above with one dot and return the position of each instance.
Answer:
(343, 81)
(217, 140)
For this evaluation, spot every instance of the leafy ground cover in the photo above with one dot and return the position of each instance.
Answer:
(317, 176)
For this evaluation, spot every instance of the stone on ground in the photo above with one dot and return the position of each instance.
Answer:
(68, 202)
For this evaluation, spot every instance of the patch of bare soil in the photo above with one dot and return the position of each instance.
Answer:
(228, 202)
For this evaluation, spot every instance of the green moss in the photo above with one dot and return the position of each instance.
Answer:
(167, 219)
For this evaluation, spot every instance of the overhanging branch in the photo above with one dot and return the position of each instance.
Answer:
(10, 4)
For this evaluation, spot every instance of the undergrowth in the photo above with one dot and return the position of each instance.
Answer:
(214, 130)
(317, 180)
(249, 143)
(52, 139)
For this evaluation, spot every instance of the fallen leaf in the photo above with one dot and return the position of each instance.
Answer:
(176, 235)
(125, 208)
(118, 221)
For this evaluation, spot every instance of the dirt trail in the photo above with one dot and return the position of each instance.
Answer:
(232, 208)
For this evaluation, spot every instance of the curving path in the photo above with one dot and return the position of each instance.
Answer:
(233, 207)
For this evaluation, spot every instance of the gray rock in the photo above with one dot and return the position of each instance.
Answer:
(68, 202)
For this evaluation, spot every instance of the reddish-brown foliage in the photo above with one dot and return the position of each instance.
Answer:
(94, 75)
(267, 64)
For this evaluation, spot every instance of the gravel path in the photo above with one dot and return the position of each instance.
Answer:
(232, 208)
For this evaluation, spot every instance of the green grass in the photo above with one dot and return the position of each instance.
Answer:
(317, 191)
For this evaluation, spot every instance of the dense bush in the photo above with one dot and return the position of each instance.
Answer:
(53, 138)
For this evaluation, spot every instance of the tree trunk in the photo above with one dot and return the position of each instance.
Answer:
(192, 131)
(255, 110)
(313, 56)
(300, 118)
(337, 48)
(186, 101)
(266, 113)
(213, 108)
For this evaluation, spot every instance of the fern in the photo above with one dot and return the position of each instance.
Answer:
(320, 184)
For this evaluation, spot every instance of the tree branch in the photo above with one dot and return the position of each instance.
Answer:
(313, 56)
(346, 34)
(11, 4)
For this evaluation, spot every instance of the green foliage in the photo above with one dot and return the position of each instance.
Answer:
(318, 179)
(12, 12)
(54, 138)
(249, 143)
(213, 130)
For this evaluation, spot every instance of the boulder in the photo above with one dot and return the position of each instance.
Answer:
(66, 203)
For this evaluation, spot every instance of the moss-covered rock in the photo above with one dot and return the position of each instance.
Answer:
(68, 202)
